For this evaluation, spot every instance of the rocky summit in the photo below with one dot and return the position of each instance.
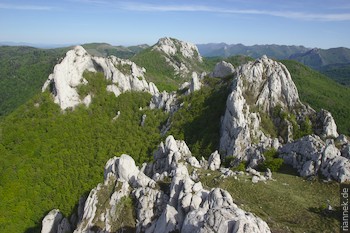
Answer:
(179, 55)
(67, 76)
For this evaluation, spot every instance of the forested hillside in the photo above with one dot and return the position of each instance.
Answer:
(23, 72)
(321, 92)
(50, 159)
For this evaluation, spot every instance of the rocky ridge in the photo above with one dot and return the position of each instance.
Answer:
(263, 111)
(68, 76)
(179, 55)
(182, 204)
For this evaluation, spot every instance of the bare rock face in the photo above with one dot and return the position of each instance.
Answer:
(222, 69)
(170, 153)
(195, 84)
(311, 156)
(68, 76)
(220, 214)
(54, 222)
(171, 47)
(165, 101)
(258, 88)
(326, 127)
(51, 221)
(214, 161)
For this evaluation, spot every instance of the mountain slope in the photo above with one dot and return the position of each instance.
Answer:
(321, 92)
(23, 70)
(321, 57)
(335, 62)
(50, 159)
(255, 51)
(105, 50)
(170, 62)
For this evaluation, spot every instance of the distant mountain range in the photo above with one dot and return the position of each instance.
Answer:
(104, 50)
(334, 62)
(255, 51)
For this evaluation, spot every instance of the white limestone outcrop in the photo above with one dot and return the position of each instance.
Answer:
(182, 205)
(258, 87)
(165, 101)
(326, 127)
(222, 69)
(312, 156)
(171, 46)
(68, 76)
(177, 55)
(214, 161)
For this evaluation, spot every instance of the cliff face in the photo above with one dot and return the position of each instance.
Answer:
(258, 88)
(179, 55)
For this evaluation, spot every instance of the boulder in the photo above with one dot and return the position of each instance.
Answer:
(326, 127)
(51, 221)
(222, 69)
(165, 101)
(214, 161)
(195, 84)
(310, 155)
(220, 214)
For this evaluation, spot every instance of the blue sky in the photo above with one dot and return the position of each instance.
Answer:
(312, 23)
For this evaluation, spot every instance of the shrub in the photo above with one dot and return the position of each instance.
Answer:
(271, 161)
(228, 161)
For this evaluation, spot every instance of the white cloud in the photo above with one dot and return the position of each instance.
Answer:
(132, 6)
(24, 7)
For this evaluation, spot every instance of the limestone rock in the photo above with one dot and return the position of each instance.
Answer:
(222, 69)
(172, 46)
(143, 120)
(268, 174)
(51, 221)
(64, 226)
(165, 101)
(195, 84)
(68, 76)
(183, 205)
(214, 161)
(169, 154)
(150, 204)
(179, 55)
(220, 214)
(258, 88)
(326, 127)
(168, 221)
(310, 155)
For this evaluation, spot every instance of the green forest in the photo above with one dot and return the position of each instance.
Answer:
(49, 158)
(319, 92)
(23, 73)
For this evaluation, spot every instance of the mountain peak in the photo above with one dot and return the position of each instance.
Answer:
(67, 77)
(171, 46)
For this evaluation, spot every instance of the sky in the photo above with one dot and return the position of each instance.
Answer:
(311, 23)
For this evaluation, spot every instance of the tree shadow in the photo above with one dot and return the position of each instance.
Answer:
(288, 170)
(325, 213)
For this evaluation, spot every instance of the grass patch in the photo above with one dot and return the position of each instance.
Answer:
(289, 204)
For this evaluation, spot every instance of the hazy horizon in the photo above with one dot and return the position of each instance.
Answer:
(313, 23)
